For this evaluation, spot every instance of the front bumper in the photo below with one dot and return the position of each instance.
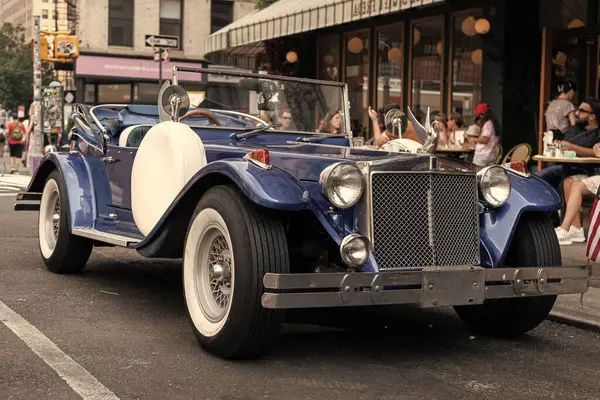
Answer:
(429, 287)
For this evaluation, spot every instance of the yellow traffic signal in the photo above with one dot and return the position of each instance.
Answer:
(44, 48)
(66, 46)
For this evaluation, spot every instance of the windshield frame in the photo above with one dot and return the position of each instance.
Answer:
(242, 74)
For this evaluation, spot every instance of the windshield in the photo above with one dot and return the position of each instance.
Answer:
(285, 104)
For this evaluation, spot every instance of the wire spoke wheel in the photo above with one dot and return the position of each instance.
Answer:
(214, 273)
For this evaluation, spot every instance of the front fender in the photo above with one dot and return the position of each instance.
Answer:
(270, 188)
(75, 171)
(497, 227)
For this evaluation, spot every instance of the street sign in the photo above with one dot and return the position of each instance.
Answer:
(171, 42)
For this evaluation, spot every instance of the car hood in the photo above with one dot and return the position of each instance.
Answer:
(306, 161)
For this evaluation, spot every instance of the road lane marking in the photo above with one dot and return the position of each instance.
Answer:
(77, 377)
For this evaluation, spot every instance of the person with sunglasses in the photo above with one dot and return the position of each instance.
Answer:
(581, 139)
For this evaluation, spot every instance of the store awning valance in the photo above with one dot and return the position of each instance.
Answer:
(289, 17)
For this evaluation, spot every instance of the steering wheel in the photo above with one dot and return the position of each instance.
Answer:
(209, 116)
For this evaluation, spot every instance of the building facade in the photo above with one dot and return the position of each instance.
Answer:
(55, 15)
(445, 55)
(116, 63)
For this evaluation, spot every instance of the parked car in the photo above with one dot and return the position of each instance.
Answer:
(270, 214)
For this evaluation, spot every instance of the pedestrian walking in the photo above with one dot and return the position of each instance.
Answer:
(2, 140)
(16, 141)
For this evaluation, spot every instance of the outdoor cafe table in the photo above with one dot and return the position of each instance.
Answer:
(570, 160)
(454, 150)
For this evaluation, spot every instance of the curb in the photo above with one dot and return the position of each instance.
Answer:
(574, 318)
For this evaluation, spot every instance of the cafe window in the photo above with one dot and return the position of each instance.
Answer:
(356, 74)
(427, 68)
(146, 93)
(89, 96)
(389, 65)
(120, 23)
(467, 57)
(170, 18)
(328, 49)
(114, 93)
(573, 13)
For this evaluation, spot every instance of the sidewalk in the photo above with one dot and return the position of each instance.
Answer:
(573, 309)
(17, 181)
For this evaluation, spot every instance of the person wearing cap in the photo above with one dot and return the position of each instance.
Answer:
(485, 144)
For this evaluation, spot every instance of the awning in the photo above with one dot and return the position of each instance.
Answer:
(289, 17)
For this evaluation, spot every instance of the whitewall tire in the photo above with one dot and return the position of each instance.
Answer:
(61, 251)
(230, 244)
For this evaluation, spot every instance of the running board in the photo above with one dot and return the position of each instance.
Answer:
(112, 238)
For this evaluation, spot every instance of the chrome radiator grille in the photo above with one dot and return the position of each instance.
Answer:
(424, 219)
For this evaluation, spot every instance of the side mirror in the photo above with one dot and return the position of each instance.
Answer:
(174, 101)
(396, 122)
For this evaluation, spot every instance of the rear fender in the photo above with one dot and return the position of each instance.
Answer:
(497, 227)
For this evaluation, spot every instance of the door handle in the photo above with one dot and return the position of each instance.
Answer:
(109, 160)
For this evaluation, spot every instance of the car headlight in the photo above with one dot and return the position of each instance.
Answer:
(355, 250)
(342, 184)
(494, 185)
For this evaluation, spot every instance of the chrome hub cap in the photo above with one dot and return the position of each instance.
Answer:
(56, 218)
(214, 274)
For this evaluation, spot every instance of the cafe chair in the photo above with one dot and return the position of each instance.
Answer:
(498, 153)
(521, 152)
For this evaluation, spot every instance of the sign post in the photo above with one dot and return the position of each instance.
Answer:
(36, 134)
(161, 45)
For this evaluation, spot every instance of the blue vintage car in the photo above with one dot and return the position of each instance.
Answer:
(258, 185)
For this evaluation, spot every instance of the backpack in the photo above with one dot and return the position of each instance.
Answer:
(17, 133)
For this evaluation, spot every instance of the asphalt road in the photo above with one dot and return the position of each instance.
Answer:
(123, 320)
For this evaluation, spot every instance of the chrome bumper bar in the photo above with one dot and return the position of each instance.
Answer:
(429, 287)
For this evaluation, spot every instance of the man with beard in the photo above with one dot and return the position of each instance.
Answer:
(581, 139)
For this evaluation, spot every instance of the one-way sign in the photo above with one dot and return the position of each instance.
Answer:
(171, 42)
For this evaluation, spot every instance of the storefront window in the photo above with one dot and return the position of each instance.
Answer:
(467, 54)
(329, 50)
(90, 94)
(115, 93)
(426, 71)
(389, 65)
(146, 93)
(357, 78)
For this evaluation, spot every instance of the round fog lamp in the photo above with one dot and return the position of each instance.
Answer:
(342, 184)
(494, 185)
(354, 250)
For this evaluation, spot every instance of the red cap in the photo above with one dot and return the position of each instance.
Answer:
(481, 108)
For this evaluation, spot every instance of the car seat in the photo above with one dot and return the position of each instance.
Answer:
(133, 135)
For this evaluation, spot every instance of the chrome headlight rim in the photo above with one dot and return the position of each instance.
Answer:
(485, 196)
(325, 182)
(346, 241)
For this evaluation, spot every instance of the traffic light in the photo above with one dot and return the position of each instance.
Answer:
(43, 48)
(66, 46)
